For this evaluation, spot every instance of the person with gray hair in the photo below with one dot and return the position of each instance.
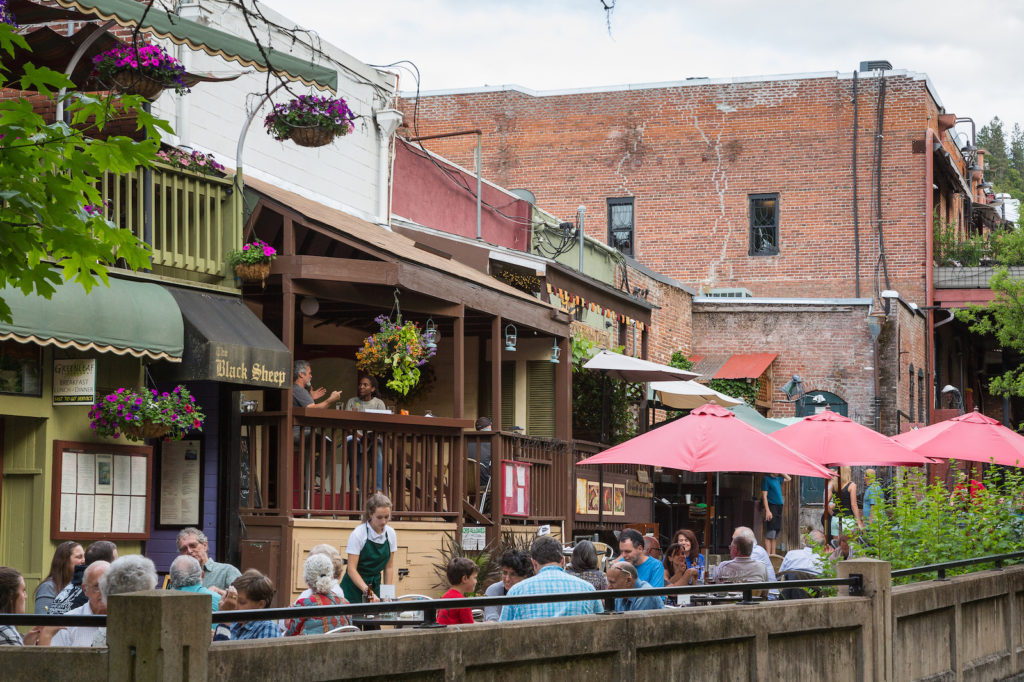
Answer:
(187, 576)
(95, 606)
(303, 393)
(339, 568)
(131, 573)
(217, 577)
(741, 568)
(622, 575)
(758, 553)
(318, 572)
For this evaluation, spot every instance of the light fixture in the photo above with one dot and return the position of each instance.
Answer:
(510, 337)
(958, 398)
(875, 322)
(309, 306)
(555, 351)
(430, 335)
(793, 387)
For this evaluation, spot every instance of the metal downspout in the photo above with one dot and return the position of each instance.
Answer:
(929, 292)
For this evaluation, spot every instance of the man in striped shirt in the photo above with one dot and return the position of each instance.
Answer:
(551, 578)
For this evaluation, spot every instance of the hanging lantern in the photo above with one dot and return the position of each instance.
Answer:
(430, 335)
(510, 337)
(555, 351)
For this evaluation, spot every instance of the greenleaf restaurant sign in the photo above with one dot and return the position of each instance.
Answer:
(74, 381)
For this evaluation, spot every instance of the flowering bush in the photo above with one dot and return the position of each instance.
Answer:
(394, 354)
(150, 61)
(5, 14)
(254, 252)
(309, 112)
(129, 408)
(193, 161)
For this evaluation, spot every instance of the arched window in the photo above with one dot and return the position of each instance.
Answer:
(814, 402)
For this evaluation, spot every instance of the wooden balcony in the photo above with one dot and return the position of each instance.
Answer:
(189, 219)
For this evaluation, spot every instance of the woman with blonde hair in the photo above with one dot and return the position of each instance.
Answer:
(371, 552)
(844, 513)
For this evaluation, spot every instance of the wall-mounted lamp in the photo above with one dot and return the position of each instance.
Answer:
(430, 335)
(555, 351)
(794, 388)
(957, 399)
(510, 337)
(875, 322)
(309, 306)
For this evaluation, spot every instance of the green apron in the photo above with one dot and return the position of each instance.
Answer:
(372, 561)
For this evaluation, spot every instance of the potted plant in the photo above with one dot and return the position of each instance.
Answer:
(395, 354)
(310, 121)
(194, 161)
(141, 414)
(145, 70)
(252, 263)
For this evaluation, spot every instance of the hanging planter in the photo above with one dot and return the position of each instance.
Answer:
(310, 121)
(395, 354)
(141, 414)
(146, 70)
(252, 263)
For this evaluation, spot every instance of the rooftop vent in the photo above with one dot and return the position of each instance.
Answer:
(733, 292)
(876, 65)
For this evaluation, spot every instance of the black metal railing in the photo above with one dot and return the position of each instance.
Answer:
(941, 569)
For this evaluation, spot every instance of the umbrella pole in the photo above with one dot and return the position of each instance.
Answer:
(707, 516)
(605, 440)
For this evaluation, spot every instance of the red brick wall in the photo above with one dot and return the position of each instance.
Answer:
(671, 328)
(690, 155)
(829, 347)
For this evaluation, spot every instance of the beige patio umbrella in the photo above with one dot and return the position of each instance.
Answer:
(689, 395)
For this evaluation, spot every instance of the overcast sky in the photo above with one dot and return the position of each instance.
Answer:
(972, 52)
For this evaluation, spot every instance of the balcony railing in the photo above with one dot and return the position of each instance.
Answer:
(951, 277)
(334, 460)
(188, 219)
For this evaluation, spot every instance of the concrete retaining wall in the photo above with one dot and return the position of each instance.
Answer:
(968, 628)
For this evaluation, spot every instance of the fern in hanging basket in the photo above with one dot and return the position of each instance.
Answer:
(139, 414)
(320, 119)
(395, 354)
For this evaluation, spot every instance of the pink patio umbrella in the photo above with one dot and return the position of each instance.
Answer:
(832, 439)
(710, 439)
(970, 437)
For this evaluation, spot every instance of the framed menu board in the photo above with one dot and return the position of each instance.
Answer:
(100, 492)
(181, 492)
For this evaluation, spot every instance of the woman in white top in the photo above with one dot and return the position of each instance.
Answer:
(371, 551)
(366, 398)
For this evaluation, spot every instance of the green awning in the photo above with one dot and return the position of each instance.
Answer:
(126, 318)
(212, 41)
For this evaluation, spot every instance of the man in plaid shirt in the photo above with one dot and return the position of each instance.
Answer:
(548, 560)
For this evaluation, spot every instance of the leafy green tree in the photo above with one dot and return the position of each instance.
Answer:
(1003, 318)
(48, 191)
(588, 398)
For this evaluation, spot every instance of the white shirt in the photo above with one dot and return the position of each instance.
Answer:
(364, 532)
(801, 560)
(80, 636)
(336, 589)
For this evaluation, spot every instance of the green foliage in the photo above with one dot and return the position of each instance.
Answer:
(680, 361)
(918, 524)
(736, 388)
(395, 354)
(587, 396)
(48, 178)
(1004, 162)
(1002, 317)
(486, 559)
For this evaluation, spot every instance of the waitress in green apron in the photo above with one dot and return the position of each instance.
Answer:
(371, 550)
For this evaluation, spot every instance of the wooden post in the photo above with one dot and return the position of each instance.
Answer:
(563, 391)
(158, 635)
(496, 346)
(459, 364)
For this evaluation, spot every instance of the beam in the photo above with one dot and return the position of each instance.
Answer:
(337, 269)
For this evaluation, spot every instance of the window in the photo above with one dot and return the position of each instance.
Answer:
(913, 379)
(921, 414)
(620, 225)
(764, 224)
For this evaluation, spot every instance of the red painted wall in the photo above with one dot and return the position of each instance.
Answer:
(442, 197)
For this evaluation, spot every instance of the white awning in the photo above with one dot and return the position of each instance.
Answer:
(632, 369)
(689, 395)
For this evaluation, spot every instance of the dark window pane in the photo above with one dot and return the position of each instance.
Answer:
(764, 224)
(620, 225)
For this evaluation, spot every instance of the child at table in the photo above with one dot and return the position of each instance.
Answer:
(461, 576)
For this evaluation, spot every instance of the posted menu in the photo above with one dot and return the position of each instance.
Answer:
(180, 483)
(101, 490)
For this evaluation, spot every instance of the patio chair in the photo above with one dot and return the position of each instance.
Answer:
(343, 628)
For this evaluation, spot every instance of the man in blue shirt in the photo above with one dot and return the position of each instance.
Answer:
(548, 559)
(631, 549)
(622, 576)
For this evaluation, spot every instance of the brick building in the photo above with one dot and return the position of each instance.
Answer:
(813, 186)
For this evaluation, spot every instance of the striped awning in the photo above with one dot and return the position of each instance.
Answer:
(212, 41)
(126, 318)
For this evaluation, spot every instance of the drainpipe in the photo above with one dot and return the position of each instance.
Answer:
(579, 225)
(388, 121)
(929, 292)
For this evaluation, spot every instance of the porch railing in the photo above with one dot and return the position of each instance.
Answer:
(187, 218)
(334, 460)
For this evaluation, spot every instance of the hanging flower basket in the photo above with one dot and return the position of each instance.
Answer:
(134, 83)
(141, 414)
(310, 121)
(252, 263)
(145, 70)
(312, 137)
(395, 354)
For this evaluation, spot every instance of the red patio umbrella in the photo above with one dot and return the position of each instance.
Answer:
(830, 438)
(970, 437)
(710, 438)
